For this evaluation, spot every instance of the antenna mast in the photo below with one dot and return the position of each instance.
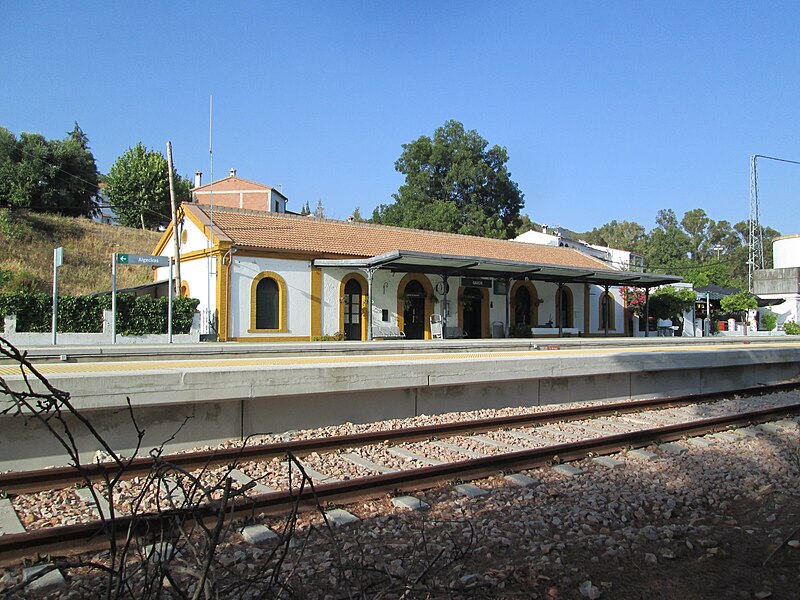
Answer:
(210, 268)
(755, 240)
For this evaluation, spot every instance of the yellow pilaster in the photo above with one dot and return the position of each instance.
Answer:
(316, 302)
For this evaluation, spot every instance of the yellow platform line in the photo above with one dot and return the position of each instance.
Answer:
(189, 364)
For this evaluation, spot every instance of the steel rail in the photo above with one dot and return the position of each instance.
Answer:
(95, 535)
(21, 482)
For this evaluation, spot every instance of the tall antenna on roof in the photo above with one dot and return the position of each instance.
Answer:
(211, 210)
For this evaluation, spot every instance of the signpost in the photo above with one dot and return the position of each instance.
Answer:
(144, 260)
(58, 260)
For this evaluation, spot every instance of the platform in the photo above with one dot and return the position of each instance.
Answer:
(231, 398)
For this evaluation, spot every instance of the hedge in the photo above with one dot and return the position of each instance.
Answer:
(136, 315)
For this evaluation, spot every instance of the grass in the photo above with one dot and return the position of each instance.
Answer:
(27, 241)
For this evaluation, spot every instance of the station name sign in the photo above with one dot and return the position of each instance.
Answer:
(478, 283)
(143, 259)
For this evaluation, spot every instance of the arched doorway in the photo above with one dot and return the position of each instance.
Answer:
(564, 307)
(522, 306)
(607, 308)
(414, 310)
(473, 317)
(352, 310)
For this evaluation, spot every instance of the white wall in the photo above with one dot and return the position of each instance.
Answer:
(297, 276)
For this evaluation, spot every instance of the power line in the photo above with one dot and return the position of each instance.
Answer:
(755, 235)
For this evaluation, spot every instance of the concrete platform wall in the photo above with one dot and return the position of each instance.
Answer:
(205, 406)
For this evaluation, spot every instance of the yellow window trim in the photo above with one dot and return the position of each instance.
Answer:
(534, 294)
(426, 285)
(570, 307)
(484, 310)
(364, 301)
(611, 312)
(282, 303)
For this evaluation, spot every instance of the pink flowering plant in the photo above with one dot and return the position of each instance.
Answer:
(634, 300)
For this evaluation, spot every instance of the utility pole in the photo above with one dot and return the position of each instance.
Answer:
(755, 239)
(175, 235)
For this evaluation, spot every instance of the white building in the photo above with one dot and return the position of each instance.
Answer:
(263, 275)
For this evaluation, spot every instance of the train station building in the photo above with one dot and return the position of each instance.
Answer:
(264, 275)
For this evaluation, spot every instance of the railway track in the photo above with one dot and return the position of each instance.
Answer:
(473, 449)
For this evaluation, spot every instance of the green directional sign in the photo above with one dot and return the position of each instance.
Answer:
(143, 259)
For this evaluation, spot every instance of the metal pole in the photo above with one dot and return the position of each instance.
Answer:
(708, 313)
(508, 306)
(444, 306)
(169, 304)
(114, 298)
(606, 308)
(175, 236)
(370, 273)
(647, 312)
(560, 308)
(56, 263)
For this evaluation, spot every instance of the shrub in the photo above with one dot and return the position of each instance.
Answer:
(335, 337)
(768, 320)
(84, 314)
(791, 328)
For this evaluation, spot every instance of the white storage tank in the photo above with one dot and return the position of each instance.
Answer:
(786, 252)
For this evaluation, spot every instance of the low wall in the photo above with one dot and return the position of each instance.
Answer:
(212, 403)
(28, 339)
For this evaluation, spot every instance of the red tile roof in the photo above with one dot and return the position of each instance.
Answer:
(327, 238)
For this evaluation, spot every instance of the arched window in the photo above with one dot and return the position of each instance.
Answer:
(607, 307)
(268, 303)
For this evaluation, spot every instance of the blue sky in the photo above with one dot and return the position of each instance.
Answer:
(609, 110)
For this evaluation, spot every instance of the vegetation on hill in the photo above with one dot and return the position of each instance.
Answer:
(27, 241)
(50, 176)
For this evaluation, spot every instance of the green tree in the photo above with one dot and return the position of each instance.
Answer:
(666, 247)
(53, 176)
(671, 303)
(739, 304)
(306, 210)
(319, 212)
(696, 223)
(137, 187)
(455, 183)
(624, 235)
(525, 224)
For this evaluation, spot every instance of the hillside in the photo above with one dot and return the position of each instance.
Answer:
(27, 241)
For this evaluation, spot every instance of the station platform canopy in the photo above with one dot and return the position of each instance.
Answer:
(406, 261)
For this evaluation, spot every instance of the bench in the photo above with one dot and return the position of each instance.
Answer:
(387, 332)
(454, 332)
(553, 331)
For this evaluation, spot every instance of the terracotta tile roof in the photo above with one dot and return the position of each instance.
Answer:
(232, 183)
(342, 239)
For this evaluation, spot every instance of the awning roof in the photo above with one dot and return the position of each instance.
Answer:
(405, 261)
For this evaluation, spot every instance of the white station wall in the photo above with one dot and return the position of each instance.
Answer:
(297, 276)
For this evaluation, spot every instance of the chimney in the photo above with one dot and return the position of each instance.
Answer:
(233, 172)
(198, 179)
